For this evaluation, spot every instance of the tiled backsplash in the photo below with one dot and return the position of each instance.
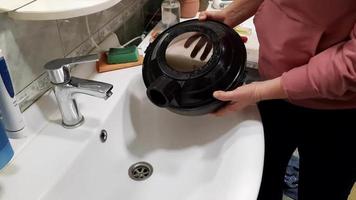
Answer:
(28, 45)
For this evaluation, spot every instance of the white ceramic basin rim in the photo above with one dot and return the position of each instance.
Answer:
(204, 157)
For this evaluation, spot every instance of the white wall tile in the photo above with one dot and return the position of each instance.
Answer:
(28, 45)
(73, 31)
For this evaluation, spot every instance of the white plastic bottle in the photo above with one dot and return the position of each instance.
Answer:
(11, 115)
(170, 12)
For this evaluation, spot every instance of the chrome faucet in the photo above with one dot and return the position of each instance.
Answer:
(65, 87)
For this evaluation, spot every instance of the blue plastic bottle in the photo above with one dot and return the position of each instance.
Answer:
(6, 152)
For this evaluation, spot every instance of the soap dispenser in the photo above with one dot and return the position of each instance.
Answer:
(6, 151)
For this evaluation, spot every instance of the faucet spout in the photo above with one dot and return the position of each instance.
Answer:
(65, 86)
(71, 117)
(90, 87)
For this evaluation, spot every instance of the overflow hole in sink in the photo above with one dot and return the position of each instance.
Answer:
(103, 135)
(140, 171)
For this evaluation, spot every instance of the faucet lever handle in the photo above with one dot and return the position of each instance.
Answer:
(59, 69)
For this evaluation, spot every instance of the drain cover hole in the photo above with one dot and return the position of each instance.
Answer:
(140, 171)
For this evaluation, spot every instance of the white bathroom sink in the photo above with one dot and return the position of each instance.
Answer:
(193, 158)
(203, 158)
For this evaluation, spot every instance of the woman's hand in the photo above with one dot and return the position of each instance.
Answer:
(250, 94)
(239, 98)
(234, 14)
(220, 16)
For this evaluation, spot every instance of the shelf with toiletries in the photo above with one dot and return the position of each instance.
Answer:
(53, 9)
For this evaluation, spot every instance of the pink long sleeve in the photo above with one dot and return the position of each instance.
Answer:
(330, 74)
(313, 51)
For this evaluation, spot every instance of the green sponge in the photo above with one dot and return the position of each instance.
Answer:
(122, 55)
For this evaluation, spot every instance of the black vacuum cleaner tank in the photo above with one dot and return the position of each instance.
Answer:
(189, 61)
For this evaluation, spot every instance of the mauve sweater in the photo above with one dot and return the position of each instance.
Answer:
(311, 44)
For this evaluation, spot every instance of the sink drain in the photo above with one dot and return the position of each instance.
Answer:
(140, 171)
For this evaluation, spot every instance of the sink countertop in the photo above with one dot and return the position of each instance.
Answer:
(49, 149)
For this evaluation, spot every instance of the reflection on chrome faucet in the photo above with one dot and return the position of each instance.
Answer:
(65, 87)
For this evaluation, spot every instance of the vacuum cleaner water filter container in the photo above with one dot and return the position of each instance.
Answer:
(189, 61)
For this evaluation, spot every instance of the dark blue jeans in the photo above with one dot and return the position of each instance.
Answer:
(327, 148)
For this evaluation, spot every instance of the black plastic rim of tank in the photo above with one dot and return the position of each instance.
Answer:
(165, 38)
(156, 51)
(181, 28)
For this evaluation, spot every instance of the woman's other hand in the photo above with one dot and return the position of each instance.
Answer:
(234, 14)
(239, 98)
(250, 94)
(220, 16)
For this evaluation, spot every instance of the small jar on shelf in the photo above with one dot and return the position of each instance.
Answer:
(189, 8)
